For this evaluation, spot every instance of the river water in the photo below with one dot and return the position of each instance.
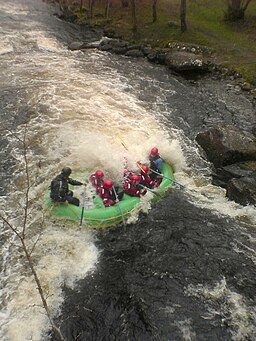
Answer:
(183, 269)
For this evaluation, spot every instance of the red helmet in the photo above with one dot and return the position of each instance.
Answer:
(144, 169)
(154, 151)
(99, 174)
(135, 178)
(107, 184)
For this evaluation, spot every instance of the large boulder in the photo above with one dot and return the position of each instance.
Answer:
(183, 61)
(242, 191)
(225, 145)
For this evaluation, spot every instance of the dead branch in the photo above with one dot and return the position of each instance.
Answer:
(22, 236)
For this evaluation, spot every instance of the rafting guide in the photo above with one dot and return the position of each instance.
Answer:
(59, 188)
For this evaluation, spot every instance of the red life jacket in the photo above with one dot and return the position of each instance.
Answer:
(97, 183)
(132, 189)
(107, 196)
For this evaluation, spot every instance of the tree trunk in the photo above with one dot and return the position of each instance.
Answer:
(81, 5)
(183, 24)
(107, 10)
(91, 3)
(236, 9)
(134, 19)
(154, 11)
(124, 3)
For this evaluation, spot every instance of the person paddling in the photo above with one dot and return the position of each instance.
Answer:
(132, 186)
(97, 180)
(107, 194)
(156, 163)
(145, 179)
(59, 188)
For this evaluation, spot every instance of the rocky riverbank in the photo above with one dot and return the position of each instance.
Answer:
(183, 59)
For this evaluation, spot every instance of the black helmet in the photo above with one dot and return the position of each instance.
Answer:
(66, 171)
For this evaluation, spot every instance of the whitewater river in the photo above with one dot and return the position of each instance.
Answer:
(185, 268)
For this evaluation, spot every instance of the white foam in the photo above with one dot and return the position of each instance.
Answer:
(232, 308)
(64, 256)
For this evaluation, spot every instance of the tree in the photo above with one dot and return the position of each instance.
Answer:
(81, 5)
(21, 233)
(90, 6)
(154, 11)
(124, 3)
(236, 9)
(134, 18)
(106, 16)
(183, 24)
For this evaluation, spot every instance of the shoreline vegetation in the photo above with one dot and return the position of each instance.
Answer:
(232, 44)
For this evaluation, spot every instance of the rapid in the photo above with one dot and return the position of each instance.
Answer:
(182, 269)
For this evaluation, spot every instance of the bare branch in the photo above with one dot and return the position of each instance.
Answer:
(22, 236)
(14, 229)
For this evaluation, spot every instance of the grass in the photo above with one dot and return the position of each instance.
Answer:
(234, 43)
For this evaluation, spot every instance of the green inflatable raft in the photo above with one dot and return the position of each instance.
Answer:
(101, 216)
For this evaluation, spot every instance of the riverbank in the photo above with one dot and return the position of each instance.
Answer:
(232, 45)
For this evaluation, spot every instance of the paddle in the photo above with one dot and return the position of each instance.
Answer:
(166, 177)
(120, 209)
(82, 215)
(122, 142)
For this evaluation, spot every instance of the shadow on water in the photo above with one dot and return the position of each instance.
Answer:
(138, 291)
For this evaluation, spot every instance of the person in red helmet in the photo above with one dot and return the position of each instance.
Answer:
(156, 163)
(97, 180)
(145, 179)
(132, 186)
(107, 194)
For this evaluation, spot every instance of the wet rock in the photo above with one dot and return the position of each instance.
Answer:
(119, 50)
(161, 57)
(75, 45)
(223, 175)
(113, 43)
(92, 45)
(134, 53)
(225, 145)
(183, 61)
(242, 191)
(246, 86)
(152, 57)
(147, 50)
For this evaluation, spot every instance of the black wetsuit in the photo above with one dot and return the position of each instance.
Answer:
(60, 191)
